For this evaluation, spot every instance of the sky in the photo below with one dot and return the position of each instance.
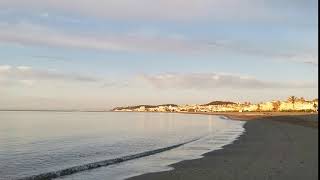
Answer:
(98, 54)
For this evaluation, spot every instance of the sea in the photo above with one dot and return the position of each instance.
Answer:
(105, 145)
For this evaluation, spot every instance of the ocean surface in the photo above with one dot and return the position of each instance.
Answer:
(33, 143)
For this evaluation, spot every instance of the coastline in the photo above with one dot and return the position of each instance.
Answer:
(299, 118)
(274, 146)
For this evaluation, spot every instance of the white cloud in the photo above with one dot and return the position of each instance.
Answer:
(4, 68)
(144, 9)
(178, 10)
(25, 75)
(216, 80)
(39, 35)
(23, 68)
(306, 59)
(148, 41)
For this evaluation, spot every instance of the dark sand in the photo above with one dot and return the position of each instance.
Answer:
(272, 148)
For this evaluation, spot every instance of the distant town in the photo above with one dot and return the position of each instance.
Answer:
(292, 104)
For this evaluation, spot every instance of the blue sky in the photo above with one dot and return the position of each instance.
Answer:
(82, 54)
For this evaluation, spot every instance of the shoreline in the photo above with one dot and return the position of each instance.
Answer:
(296, 117)
(274, 146)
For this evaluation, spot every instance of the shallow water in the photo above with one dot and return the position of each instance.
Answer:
(32, 143)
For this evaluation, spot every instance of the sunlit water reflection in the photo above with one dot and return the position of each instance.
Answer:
(37, 142)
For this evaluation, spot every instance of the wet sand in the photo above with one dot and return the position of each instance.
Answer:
(274, 147)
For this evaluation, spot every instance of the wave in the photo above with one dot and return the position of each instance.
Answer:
(94, 165)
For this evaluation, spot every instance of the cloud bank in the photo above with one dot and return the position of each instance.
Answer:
(177, 10)
(39, 35)
(131, 42)
(215, 80)
(25, 75)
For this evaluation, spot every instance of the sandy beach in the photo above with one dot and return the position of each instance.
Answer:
(275, 146)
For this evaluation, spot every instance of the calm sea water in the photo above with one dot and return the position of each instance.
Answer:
(38, 142)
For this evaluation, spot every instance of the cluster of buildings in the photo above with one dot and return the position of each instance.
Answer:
(292, 104)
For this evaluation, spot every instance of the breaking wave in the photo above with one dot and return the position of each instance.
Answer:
(94, 165)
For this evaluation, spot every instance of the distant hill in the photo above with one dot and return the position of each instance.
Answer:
(146, 106)
(219, 103)
(133, 107)
(172, 105)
